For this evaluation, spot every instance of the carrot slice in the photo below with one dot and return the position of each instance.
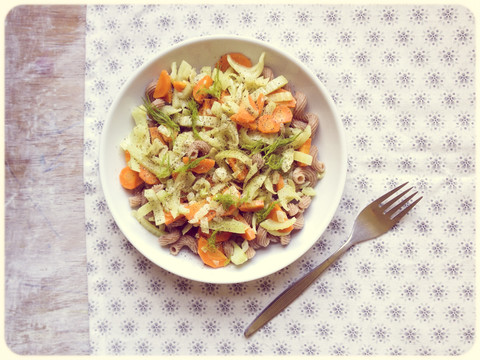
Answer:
(251, 206)
(222, 236)
(193, 209)
(305, 148)
(242, 117)
(179, 85)
(129, 179)
(267, 124)
(282, 114)
(203, 166)
(277, 214)
(156, 134)
(148, 176)
(239, 58)
(210, 256)
(170, 219)
(163, 85)
(198, 93)
(127, 156)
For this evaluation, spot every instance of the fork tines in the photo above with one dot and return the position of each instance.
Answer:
(392, 212)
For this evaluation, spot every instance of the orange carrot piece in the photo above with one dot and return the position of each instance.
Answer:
(206, 106)
(129, 179)
(236, 167)
(305, 148)
(222, 236)
(163, 85)
(198, 93)
(280, 184)
(252, 206)
(276, 214)
(291, 103)
(127, 156)
(242, 117)
(282, 114)
(260, 102)
(170, 219)
(148, 176)
(286, 230)
(179, 85)
(155, 134)
(239, 58)
(193, 209)
(267, 124)
(203, 166)
(212, 257)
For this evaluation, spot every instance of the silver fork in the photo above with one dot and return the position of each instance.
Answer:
(374, 220)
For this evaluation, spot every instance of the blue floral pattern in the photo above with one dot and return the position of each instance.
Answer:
(402, 78)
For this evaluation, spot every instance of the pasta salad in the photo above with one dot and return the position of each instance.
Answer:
(220, 160)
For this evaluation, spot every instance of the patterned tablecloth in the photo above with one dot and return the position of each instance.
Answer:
(402, 78)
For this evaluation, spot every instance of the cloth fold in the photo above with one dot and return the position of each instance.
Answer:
(402, 78)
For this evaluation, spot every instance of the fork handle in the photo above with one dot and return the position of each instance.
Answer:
(293, 291)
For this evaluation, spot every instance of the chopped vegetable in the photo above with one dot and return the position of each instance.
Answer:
(199, 93)
(130, 179)
(239, 58)
(211, 257)
(163, 85)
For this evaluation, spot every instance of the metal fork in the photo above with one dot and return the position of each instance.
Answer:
(374, 220)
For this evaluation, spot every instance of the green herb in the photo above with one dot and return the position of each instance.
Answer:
(226, 200)
(216, 88)
(159, 116)
(262, 214)
(274, 161)
(190, 165)
(211, 240)
(192, 105)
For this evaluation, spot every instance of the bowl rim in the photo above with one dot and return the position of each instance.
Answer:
(185, 43)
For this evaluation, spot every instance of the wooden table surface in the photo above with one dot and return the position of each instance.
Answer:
(46, 303)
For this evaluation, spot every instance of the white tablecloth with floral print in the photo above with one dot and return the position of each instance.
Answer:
(402, 78)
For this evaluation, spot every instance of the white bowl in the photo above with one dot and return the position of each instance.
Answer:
(330, 140)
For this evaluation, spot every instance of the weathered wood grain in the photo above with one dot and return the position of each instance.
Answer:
(46, 305)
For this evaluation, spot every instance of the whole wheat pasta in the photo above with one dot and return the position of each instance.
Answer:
(136, 200)
(184, 240)
(150, 89)
(263, 238)
(250, 252)
(317, 165)
(301, 104)
(273, 238)
(254, 243)
(248, 216)
(198, 148)
(304, 174)
(300, 222)
(258, 159)
(299, 124)
(169, 238)
(267, 73)
(292, 209)
(228, 248)
(312, 120)
(304, 202)
(285, 239)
